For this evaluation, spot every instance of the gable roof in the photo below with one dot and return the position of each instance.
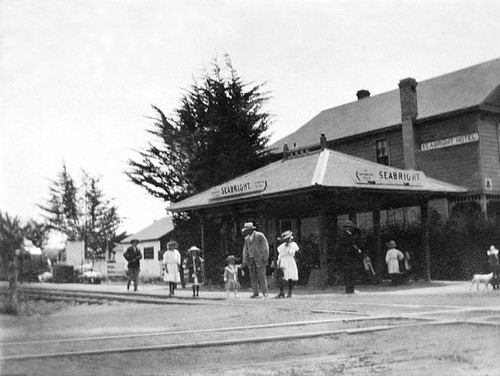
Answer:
(451, 92)
(155, 231)
(328, 168)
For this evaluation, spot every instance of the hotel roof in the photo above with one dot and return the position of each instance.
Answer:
(464, 89)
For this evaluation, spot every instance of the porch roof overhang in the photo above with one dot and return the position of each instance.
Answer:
(349, 183)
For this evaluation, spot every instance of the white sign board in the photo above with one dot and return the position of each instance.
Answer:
(452, 141)
(387, 176)
(234, 189)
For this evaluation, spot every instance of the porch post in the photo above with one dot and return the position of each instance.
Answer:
(323, 248)
(202, 238)
(377, 235)
(424, 217)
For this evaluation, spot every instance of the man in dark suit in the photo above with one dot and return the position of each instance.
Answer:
(133, 256)
(255, 256)
(350, 253)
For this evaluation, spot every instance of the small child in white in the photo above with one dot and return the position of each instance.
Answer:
(231, 276)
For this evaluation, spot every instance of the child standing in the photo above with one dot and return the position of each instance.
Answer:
(231, 276)
(392, 258)
(194, 263)
(171, 262)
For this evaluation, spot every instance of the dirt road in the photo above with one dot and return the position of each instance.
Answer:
(438, 332)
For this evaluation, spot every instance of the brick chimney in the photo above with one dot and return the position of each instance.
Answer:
(285, 151)
(322, 141)
(362, 94)
(409, 112)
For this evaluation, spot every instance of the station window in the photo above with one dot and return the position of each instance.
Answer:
(285, 225)
(382, 152)
(149, 253)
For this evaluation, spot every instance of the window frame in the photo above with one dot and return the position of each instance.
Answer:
(146, 251)
(378, 151)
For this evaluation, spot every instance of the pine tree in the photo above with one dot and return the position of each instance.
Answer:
(82, 213)
(61, 210)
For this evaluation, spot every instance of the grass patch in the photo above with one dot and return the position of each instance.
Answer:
(30, 307)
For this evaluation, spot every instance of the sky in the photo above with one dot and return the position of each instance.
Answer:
(78, 78)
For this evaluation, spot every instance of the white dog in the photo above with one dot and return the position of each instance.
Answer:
(481, 278)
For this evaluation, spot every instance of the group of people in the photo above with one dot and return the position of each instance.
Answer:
(171, 263)
(255, 258)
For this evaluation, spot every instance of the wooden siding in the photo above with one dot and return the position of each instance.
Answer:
(459, 164)
(365, 147)
(448, 127)
(489, 140)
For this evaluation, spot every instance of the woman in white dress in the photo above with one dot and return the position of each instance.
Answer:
(392, 258)
(286, 261)
(171, 262)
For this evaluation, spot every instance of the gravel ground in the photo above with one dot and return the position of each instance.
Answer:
(454, 349)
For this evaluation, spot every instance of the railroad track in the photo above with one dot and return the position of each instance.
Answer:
(98, 297)
(351, 323)
(172, 340)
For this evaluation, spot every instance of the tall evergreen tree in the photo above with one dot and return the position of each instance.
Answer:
(216, 134)
(82, 213)
(61, 211)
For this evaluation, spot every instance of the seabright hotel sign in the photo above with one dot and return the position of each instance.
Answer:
(452, 141)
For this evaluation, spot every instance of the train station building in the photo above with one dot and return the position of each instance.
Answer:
(307, 193)
(393, 156)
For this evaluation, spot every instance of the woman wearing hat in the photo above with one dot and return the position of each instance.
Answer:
(286, 261)
(171, 262)
(194, 264)
(392, 258)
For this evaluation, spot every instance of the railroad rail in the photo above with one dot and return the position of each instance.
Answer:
(350, 323)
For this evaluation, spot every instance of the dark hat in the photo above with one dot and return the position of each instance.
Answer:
(194, 249)
(248, 226)
(391, 244)
(134, 241)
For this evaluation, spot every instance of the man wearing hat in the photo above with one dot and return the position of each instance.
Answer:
(133, 256)
(350, 253)
(255, 256)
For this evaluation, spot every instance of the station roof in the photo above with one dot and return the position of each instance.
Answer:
(460, 90)
(320, 170)
(154, 231)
